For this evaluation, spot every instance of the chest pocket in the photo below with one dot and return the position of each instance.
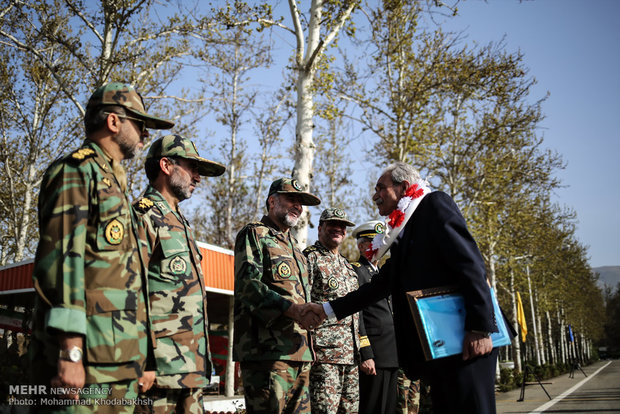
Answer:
(114, 222)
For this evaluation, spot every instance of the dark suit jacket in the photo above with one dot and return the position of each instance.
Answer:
(376, 323)
(434, 249)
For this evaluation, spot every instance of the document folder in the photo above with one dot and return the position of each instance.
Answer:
(439, 316)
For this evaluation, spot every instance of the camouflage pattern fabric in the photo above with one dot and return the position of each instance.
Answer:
(408, 401)
(334, 388)
(176, 295)
(270, 275)
(89, 271)
(332, 276)
(170, 400)
(276, 387)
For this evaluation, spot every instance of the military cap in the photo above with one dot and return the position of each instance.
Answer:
(122, 94)
(179, 146)
(369, 229)
(335, 214)
(291, 186)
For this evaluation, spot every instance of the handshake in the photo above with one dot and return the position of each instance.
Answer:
(309, 315)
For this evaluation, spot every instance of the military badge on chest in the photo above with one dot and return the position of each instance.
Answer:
(332, 283)
(178, 265)
(114, 232)
(284, 270)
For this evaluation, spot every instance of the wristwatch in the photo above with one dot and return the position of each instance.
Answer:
(73, 354)
(483, 333)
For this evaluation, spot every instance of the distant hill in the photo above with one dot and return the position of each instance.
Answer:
(609, 276)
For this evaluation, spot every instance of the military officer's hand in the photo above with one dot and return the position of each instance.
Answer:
(71, 375)
(475, 345)
(146, 381)
(368, 367)
(315, 311)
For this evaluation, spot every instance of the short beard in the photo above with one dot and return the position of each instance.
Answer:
(178, 187)
(290, 221)
(129, 151)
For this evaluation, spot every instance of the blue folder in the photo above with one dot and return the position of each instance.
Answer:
(439, 315)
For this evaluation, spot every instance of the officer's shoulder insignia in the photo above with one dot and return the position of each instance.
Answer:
(145, 203)
(310, 249)
(82, 154)
(178, 265)
(114, 232)
(356, 264)
(284, 270)
(332, 283)
(107, 181)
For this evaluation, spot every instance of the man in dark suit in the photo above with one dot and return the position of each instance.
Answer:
(379, 358)
(430, 246)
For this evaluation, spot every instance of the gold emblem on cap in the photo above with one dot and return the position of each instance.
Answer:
(114, 232)
(379, 228)
(296, 185)
(178, 265)
(82, 153)
(284, 270)
(332, 283)
(338, 213)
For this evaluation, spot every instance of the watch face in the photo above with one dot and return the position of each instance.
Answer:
(75, 355)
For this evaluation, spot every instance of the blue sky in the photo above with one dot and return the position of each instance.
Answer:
(572, 48)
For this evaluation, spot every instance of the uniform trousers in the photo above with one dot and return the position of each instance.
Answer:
(276, 387)
(334, 388)
(173, 400)
(464, 387)
(378, 393)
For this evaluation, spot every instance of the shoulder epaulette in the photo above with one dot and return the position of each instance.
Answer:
(310, 249)
(144, 204)
(356, 264)
(82, 154)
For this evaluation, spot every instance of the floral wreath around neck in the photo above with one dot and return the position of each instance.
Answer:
(397, 219)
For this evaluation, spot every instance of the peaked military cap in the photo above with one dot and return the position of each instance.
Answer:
(369, 229)
(291, 186)
(335, 214)
(122, 94)
(179, 146)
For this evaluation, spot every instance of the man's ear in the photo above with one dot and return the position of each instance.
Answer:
(113, 122)
(165, 166)
(404, 186)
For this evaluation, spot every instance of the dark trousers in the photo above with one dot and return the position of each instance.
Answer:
(378, 392)
(464, 387)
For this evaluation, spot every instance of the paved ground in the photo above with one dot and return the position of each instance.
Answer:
(598, 393)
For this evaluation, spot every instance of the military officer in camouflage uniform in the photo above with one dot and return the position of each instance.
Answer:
(175, 282)
(271, 290)
(334, 378)
(90, 319)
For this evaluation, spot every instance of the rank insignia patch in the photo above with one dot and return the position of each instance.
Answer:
(332, 283)
(114, 232)
(83, 153)
(178, 265)
(284, 270)
(145, 203)
(107, 181)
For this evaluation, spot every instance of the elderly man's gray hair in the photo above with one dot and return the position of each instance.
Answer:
(401, 171)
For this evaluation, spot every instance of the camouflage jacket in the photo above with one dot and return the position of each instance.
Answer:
(176, 295)
(332, 276)
(270, 275)
(89, 270)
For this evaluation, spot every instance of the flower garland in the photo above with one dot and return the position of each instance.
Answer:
(397, 219)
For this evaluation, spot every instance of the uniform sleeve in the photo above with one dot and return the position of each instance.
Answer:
(365, 348)
(59, 266)
(460, 252)
(261, 301)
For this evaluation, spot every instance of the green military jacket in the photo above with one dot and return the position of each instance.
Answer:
(270, 275)
(89, 270)
(332, 276)
(177, 296)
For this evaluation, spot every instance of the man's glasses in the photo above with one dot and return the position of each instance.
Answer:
(139, 122)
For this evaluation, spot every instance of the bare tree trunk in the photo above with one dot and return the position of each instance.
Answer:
(552, 351)
(516, 343)
(230, 364)
(536, 346)
(537, 320)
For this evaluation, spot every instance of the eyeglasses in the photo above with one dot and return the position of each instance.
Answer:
(139, 122)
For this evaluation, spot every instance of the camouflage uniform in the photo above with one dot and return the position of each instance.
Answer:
(90, 266)
(334, 378)
(177, 300)
(88, 272)
(274, 351)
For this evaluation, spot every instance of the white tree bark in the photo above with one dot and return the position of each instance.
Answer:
(536, 346)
